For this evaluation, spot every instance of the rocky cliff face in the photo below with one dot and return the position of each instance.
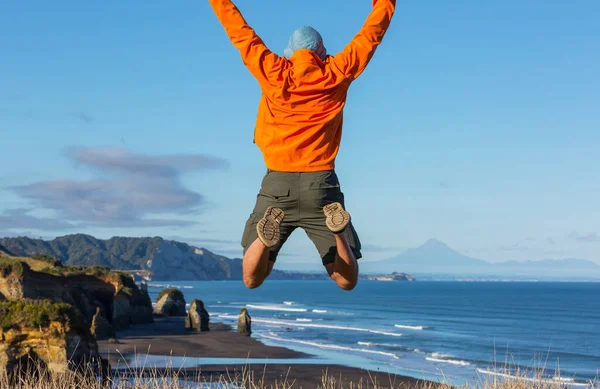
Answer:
(146, 258)
(54, 336)
(160, 259)
(86, 289)
(54, 308)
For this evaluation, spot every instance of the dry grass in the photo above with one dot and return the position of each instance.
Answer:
(173, 378)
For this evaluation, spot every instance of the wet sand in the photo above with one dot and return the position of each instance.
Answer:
(167, 338)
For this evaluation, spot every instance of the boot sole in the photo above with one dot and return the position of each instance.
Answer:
(268, 228)
(336, 218)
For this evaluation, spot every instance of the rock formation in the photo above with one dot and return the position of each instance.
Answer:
(244, 322)
(44, 336)
(53, 312)
(101, 329)
(156, 258)
(197, 317)
(170, 302)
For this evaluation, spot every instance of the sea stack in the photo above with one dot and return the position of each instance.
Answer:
(244, 322)
(170, 302)
(197, 318)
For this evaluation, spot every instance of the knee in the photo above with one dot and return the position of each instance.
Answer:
(252, 282)
(345, 284)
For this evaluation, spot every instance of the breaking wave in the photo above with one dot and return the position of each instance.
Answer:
(312, 325)
(416, 328)
(273, 336)
(288, 302)
(450, 361)
(275, 308)
(566, 381)
(319, 310)
(304, 320)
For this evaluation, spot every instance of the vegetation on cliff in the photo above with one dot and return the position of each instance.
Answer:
(34, 314)
(85, 250)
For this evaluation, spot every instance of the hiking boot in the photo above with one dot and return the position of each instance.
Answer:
(336, 217)
(268, 227)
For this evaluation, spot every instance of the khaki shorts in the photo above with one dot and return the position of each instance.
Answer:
(302, 197)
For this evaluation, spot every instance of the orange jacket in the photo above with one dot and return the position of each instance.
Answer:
(300, 114)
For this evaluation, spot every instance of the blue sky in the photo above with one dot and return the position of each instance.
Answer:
(476, 123)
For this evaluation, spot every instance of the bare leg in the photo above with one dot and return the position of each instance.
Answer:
(256, 265)
(344, 270)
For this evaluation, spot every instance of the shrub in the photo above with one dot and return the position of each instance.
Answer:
(33, 314)
(96, 271)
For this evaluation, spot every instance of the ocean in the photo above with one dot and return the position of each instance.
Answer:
(457, 331)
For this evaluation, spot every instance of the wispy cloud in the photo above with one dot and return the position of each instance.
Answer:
(591, 237)
(20, 218)
(131, 190)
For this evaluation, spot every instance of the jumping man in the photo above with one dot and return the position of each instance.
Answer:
(298, 130)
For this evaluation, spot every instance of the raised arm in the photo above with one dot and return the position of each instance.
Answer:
(357, 54)
(261, 62)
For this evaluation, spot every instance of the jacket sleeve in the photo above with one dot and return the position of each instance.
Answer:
(262, 63)
(356, 55)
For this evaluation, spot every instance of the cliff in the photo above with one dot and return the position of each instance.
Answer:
(44, 335)
(148, 258)
(160, 259)
(86, 288)
(47, 311)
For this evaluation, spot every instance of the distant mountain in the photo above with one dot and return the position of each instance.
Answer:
(436, 258)
(431, 257)
(160, 259)
(4, 251)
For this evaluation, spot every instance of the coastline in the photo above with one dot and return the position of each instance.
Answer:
(167, 346)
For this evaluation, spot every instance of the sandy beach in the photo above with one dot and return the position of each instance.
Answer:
(167, 339)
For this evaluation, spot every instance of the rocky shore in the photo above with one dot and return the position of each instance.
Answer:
(71, 318)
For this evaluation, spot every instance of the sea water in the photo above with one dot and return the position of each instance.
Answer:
(455, 330)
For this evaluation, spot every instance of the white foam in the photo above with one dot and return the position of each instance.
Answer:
(275, 308)
(450, 361)
(373, 344)
(304, 320)
(319, 311)
(273, 336)
(531, 379)
(312, 325)
(561, 379)
(187, 287)
(288, 302)
(416, 328)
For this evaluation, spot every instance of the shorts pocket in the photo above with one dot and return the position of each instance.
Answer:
(274, 191)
